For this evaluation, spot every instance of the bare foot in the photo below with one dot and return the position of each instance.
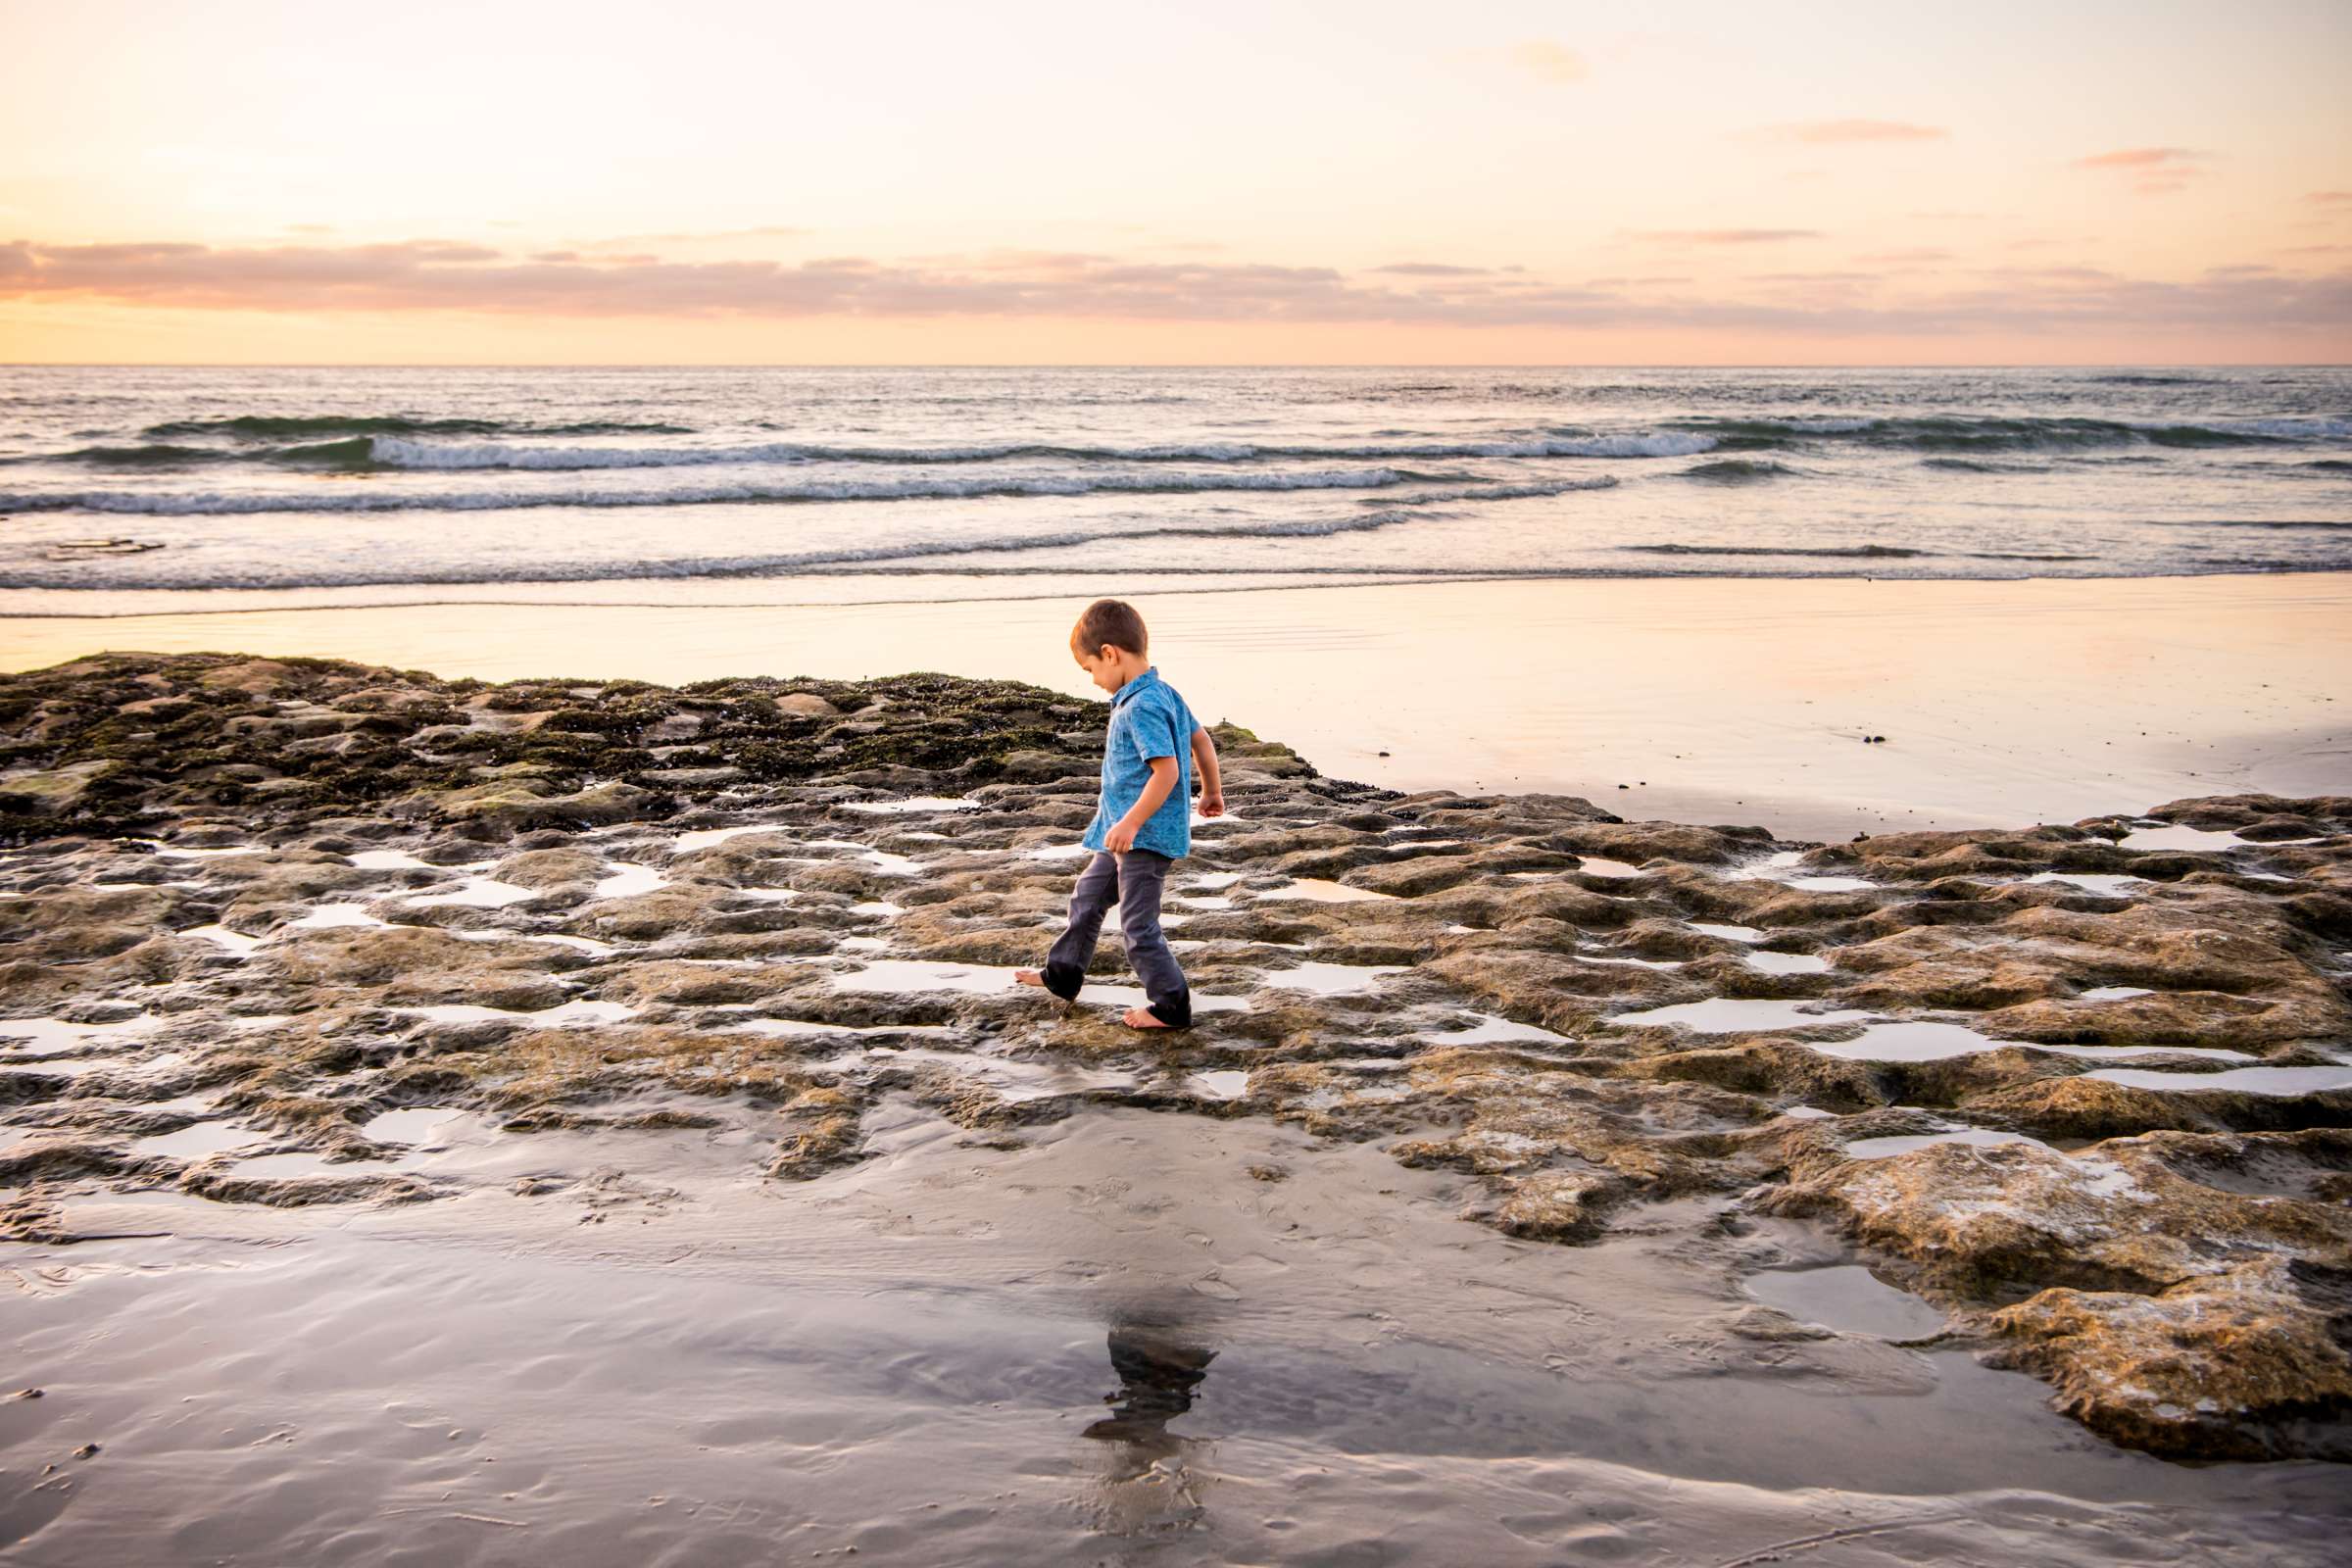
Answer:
(1029, 977)
(1141, 1018)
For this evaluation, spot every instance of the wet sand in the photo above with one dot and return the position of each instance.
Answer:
(1712, 700)
(921, 1358)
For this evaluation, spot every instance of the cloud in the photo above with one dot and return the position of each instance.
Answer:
(1431, 269)
(1723, 236)
(2330, 198)
(429, 274)
(2154, 171)
(1549, 61)
(2142, 158)
(1831, 132)
(706, 237)
(1905, 258)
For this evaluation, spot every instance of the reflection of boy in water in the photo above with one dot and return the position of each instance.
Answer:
(1157, 1373)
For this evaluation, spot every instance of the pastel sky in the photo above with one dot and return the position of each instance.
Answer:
(1353, 182)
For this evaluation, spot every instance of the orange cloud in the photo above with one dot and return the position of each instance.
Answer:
(2330, 198)
(1819, 133)
(1054, 287)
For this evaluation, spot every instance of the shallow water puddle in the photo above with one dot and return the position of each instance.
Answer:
(567, 1015)
(174, 852)
(1058, 852)
(882, 861)
(2114, 993)
(54, 1034)
(765, 895)
(198, 1141)
(1788, 962)
(2253, 1080)
(391, 860)
(235, 943)
(627, 881)
(1846, 1297)
(1331, 979)
(878, 908)
(1590, 956)
(1723, 1015)
(1222, 1084)
(1910, 1040)
(2194, 840)
(1492, 1030)
(2102, 883)
(1318, 890)
(712, 837)
(413, 1125)
(1905, 1143)
(1214, 879)
(479, 893)
(924, 974)
(1602, 865)
(335, 917)
(588, 945)
(1728, 933)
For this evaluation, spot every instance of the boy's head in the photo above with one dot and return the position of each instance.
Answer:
(1111, 644)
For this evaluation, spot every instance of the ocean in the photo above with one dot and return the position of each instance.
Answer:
(157, 488)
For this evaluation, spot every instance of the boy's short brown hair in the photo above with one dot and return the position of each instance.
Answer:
(1113, 621)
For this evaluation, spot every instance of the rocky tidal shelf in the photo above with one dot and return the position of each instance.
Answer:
(2079, 1097)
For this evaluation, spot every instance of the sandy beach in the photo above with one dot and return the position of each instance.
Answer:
(586, 1118)
(1713, 699)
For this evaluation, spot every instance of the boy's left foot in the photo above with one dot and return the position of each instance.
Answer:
(1029, 977)
(1141, 1018)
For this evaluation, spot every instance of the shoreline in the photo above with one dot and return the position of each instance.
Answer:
(1716, 699)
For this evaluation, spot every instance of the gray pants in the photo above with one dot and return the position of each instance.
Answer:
(1133, 881)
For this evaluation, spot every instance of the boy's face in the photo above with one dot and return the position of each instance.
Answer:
(1102, 665)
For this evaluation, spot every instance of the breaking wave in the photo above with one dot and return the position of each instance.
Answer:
(341, 499)
(296, 427)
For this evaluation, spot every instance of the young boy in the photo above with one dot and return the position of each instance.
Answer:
(1144, 822)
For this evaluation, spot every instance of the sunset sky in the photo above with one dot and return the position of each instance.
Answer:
(1358, 183)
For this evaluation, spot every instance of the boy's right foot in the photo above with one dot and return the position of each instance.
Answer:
(1029, 977)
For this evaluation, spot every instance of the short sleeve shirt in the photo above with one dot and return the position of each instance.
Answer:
(1147, 719)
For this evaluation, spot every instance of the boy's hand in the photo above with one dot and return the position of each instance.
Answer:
(1212, 803)
(1121, 837)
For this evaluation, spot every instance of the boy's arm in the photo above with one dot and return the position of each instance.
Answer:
(1121, 837)
(1205, 763)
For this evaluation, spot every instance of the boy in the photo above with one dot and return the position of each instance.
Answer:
(1144, 822)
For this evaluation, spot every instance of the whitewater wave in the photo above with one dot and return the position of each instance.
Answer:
(395, 453)
(1978, 434)
(348, 499)
(295, 426)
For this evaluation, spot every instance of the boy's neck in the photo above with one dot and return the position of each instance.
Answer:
(1129, 666)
